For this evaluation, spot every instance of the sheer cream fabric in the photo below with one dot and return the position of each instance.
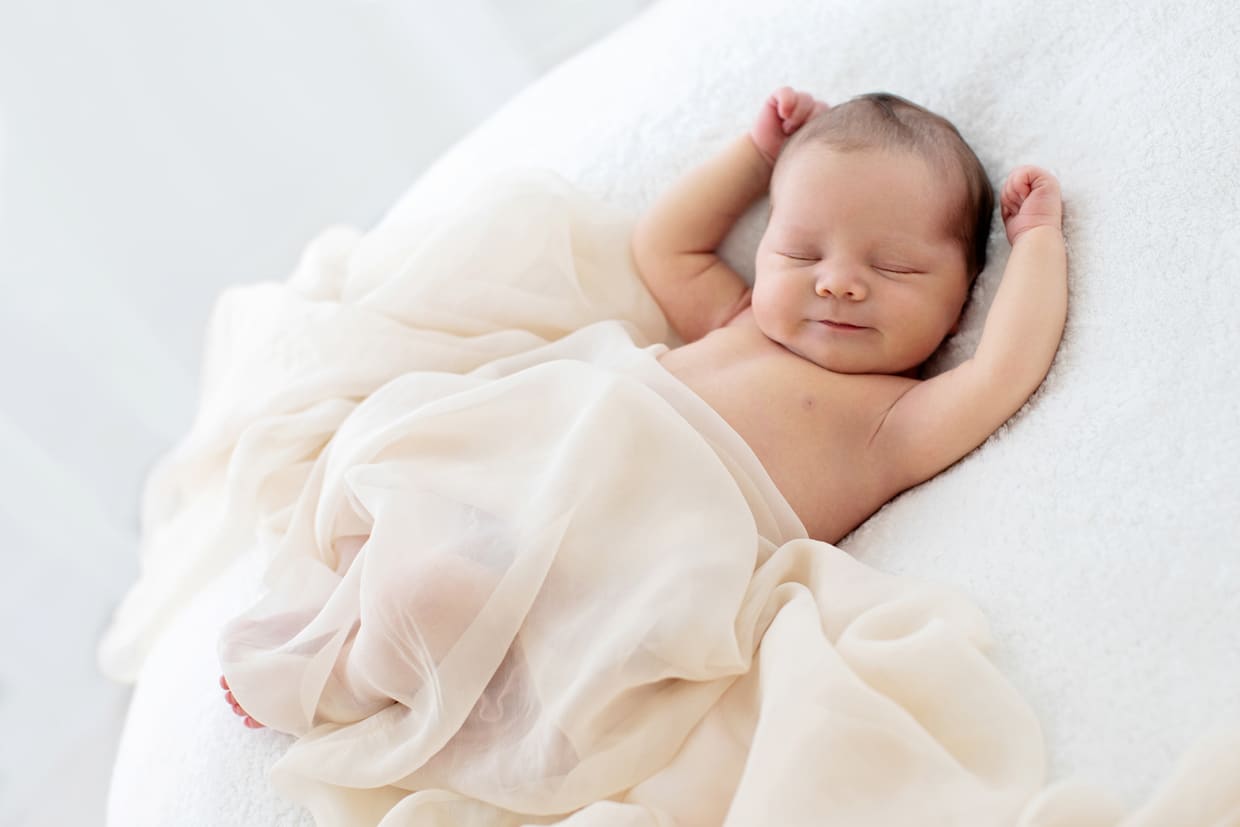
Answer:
(538, 586)
(519, 574)
(569, 560)
(285, 364)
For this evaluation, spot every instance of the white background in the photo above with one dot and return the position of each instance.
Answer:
(150, 155)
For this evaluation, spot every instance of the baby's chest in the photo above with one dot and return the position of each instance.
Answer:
(810, 432)
(816, 452)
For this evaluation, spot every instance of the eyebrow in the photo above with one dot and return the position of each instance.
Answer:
(911, 243)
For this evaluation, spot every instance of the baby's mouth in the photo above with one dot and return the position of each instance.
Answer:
(841, 325)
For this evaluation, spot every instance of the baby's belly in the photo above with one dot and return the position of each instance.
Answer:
(829, 500)
(792, 431)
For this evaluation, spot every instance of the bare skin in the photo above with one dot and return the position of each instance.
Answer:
(816, 449)
(837, 415)
(236, 707)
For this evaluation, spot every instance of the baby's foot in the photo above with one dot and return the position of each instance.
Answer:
(236, 707)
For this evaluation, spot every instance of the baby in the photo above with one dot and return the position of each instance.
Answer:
(879, 218)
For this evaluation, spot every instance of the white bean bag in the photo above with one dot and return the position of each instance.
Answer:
(1098, 531)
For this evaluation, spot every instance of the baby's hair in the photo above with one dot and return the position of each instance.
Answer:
(879, 120)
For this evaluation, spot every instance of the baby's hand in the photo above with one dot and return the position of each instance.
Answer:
(236, 707)
(784, 112)
(1030, 198)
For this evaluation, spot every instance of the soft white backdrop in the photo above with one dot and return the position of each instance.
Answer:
(150, 155)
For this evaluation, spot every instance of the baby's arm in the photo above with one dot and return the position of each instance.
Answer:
(1027, 317)
(940, 420)
(674, 242)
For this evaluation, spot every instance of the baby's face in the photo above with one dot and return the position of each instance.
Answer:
(859, 238)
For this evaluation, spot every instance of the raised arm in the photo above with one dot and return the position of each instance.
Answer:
(1026, 318)
(940, 420)
(675, 241)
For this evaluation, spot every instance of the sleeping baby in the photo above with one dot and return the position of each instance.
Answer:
(879, 219)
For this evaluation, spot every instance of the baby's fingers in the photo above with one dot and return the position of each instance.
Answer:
(801, 111)
(784, 99)
(1020, 183)
(1016, 189)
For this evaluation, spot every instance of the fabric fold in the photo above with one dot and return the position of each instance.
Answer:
(517, 573)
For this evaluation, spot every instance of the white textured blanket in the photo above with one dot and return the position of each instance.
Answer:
(1099, 530)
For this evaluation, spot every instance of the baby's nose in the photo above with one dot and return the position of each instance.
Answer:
(839, 284)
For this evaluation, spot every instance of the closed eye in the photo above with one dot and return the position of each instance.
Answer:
(901, 270)
(799, 258)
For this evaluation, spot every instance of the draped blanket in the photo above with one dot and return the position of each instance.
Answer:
(519, 574)
(570, 561)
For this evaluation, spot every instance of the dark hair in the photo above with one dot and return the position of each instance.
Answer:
(880, 120)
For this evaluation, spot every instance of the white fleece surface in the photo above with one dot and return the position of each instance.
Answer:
(1099, 530)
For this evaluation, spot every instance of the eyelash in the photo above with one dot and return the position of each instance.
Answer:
(884, 269)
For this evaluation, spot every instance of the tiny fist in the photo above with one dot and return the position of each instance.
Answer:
(1030, 198)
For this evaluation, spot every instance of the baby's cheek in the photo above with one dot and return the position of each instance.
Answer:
(767, 303)
(760, 300)
(764, 292)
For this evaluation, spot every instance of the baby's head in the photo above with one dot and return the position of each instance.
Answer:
(880, 215)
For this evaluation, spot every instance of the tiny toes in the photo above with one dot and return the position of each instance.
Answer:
(236, 707)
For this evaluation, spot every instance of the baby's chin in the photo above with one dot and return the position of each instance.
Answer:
(865, 358)
(853, 364)
(836, 363)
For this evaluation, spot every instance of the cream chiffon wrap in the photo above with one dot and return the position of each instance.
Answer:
(520, 574)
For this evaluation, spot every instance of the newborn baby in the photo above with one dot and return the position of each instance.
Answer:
(880, 215)
(879, 218)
